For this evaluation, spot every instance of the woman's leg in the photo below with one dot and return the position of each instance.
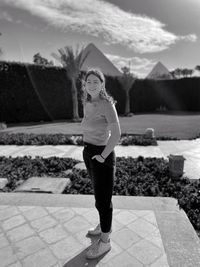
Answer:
(103, 178)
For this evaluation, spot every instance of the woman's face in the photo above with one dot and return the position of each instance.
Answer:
(93, 85)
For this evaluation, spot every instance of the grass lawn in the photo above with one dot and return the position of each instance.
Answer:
(183, 126)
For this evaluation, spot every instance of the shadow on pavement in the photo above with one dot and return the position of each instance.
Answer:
(80, 259)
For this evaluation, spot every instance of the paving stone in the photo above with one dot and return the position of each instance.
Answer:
(35, 213)
(66, 248)
(116, 226)
(145, 252)
(28, 246)
(53, 234)
(43, 258)
(3, 241)
(141, 213)
(123, 260)
(64, 215)
(125, 217)
(80, 211)
(125, 238)
(13, 222)
(142, 227)
(53, 185)
(162, 261)
(3, 182)
(7, 213)
(43, 223)
(116, 250)
(92, 216)
(76, 224)
(156, 239)
(25, 208)
(150, 217)
(54, 209)
(80, 166)
(7, 256)
(20, 233)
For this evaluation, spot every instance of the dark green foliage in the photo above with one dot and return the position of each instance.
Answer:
(22, 168)
(31, 93)
(64, 139)
(174, 95)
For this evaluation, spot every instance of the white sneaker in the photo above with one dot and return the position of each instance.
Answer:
(98, 249)
(95, 231)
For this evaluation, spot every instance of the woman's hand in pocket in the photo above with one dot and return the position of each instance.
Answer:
(99, 158)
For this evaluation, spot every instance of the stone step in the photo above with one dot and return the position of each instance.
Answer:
(151, 231)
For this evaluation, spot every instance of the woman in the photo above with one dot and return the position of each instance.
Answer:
(101, 133)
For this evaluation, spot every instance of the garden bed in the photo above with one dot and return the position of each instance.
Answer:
(134, 177)
(65, 139)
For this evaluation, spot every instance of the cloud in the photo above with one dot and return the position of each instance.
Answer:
(139, 66)
(98, 18)
(190, 37)
(5, 16)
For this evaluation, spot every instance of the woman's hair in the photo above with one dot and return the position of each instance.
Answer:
(103, 93)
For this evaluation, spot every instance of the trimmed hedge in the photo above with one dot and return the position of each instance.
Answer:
(31, 93)
(64, 139)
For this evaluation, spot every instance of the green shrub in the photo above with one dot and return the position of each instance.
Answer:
(64, 139)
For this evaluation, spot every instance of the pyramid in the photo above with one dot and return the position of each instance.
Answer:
(97, 59)
(159, 72)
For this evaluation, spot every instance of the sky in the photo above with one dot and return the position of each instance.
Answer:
(135, 33)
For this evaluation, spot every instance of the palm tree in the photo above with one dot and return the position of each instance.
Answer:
(127, 80)
(173, 73)
(72, 61)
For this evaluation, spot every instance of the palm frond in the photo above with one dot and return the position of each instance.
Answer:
(71, 59)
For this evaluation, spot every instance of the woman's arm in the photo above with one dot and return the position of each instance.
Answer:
(113, 139)
(114, 127)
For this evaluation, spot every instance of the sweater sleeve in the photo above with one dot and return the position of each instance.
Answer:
(110, 112)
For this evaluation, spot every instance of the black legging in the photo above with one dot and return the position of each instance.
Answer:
(102, 177)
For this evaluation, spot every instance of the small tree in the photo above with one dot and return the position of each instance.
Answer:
(38, 59)
(72, 61)
(187, 72)
(197, 68)
(127, 80)
(178, 72)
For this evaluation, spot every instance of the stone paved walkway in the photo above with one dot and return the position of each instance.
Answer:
(189, 149)
(50, 230)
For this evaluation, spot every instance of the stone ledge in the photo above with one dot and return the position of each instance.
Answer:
(87, 201)
(180, 240)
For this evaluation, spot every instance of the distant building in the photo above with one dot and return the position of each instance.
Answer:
(159, 72)
(97, 59)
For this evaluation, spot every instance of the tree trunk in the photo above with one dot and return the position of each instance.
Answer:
(74, 100)
(127, 105)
